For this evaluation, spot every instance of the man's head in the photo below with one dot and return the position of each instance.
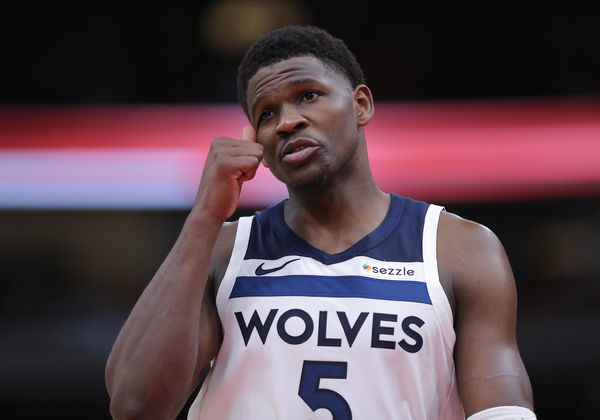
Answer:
(294, 41)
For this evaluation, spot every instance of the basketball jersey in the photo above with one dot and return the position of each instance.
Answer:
(363, 334)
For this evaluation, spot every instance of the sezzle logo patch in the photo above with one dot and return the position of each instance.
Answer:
(390, 271)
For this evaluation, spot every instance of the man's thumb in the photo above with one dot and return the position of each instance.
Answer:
(248, 133)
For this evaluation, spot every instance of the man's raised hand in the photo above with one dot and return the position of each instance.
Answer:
(229, 163)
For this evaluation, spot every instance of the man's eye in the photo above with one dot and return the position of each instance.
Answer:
(265, 114)
(310, 96)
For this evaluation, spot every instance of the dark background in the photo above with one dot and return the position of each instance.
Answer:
(69, 278)
(158, 51)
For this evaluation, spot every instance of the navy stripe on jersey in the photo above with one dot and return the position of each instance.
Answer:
(398, 238)
(331, 286)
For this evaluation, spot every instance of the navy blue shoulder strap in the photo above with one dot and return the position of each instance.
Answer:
(398, 238)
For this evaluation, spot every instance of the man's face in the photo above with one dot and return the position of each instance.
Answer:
(304, 114)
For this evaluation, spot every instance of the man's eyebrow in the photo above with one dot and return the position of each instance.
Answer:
(291, 83)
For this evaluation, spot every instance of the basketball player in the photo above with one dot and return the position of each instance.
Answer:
(341, 302)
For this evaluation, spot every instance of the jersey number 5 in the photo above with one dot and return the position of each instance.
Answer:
(316, 397)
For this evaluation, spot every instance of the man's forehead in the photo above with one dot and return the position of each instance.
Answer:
(293, 66)
(290, 71)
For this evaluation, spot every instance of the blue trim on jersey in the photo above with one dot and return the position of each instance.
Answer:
(331, 286)
(398, 238)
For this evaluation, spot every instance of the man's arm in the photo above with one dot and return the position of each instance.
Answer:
(488, 364)
(173, 330)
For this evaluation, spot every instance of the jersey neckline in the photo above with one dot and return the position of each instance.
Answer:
(372, 239)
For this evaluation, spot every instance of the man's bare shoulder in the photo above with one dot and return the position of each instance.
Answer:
(461, 230)
(222, 253)
(465, 239)
(489, 369)
(469, 253)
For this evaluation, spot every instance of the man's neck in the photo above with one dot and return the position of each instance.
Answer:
(338, 215)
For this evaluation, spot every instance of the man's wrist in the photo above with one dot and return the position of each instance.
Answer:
(203, 215)
(203, 222)
(504, 413)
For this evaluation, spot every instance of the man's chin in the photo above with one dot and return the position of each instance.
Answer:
(309, 183)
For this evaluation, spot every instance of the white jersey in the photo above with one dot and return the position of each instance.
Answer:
(363, 334)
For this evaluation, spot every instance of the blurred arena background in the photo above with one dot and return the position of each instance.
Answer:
(107, 108)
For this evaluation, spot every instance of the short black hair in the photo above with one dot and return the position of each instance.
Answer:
(294, 41)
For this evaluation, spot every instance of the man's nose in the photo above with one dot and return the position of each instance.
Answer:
(290, 120)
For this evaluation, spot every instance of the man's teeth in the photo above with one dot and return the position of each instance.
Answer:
(297, 149)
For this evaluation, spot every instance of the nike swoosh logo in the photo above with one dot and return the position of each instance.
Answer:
(260, 271)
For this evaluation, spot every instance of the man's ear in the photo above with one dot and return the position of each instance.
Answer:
(364, 106)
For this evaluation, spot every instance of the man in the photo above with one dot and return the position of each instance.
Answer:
(341, 302)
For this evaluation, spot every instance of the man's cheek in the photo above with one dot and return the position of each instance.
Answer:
(266, 161)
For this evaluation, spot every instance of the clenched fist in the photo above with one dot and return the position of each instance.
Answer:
(229, 163)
